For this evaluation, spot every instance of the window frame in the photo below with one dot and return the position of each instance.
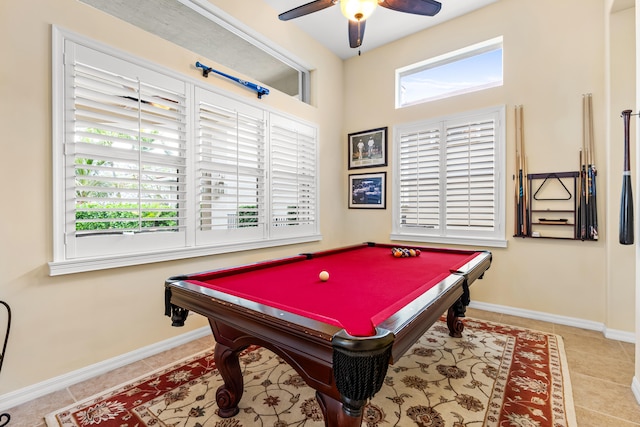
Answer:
(494, 238)
(244, 32)
(222, 26)
(62, 263)
(446, 59)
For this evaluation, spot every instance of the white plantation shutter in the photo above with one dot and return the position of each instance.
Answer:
(470, 175)
(151, 166)
(420, 178)
(125, 154)
(449, 181)
(293, 177)
(230, 169)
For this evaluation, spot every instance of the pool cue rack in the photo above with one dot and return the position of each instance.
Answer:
(553, 207)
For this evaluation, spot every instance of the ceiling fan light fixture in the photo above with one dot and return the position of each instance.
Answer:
(357, 10)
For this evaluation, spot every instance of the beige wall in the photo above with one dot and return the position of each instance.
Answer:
(554, 53)
(621, 83)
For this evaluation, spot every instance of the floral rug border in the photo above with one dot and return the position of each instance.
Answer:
(521, 389)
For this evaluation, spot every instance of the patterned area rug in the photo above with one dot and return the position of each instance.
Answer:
(496, 375)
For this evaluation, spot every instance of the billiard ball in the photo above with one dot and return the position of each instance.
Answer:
(324, 276)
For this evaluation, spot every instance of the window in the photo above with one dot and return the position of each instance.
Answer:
(201, 27)
(450, 179)
(466, 70)
(149, 166)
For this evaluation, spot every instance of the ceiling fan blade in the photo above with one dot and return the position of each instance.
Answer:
(356, 32)
(417, 7)
(306, 9)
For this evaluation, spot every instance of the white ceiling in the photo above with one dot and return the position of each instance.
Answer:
(329, 26)
(197, 25)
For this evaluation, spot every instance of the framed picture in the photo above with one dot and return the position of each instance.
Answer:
(368, 149)
(368, 191)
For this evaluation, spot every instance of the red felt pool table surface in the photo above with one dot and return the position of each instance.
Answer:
(367, 284)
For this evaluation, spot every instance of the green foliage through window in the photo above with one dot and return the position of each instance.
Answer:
(93, 216)
(248, 216)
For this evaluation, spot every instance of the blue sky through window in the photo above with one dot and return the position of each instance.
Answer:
(464, 75)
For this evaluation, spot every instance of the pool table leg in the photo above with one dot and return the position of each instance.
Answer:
(453, 320)
(229, 394)
(334, 415)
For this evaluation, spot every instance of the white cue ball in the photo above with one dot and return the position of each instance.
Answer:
(324, 276)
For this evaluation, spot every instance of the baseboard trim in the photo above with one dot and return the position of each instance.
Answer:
(35, 391)
(613, 334)
(635, 387)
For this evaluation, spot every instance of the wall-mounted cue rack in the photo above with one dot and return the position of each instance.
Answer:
(557, 205)
(555, 208)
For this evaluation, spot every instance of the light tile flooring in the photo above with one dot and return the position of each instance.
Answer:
(601, 374)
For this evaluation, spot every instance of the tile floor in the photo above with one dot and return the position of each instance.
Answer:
(601, 375)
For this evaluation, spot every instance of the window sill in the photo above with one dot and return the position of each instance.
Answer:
(58, 268)
(466, 241)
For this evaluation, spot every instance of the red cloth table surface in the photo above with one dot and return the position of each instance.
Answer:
(365, 287)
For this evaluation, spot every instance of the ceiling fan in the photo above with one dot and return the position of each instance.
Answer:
(357, 11)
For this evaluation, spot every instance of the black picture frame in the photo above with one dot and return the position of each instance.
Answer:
(367, 149)
(368, 191)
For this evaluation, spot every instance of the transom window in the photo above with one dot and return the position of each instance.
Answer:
(450, 180)
(149, 166)
(466, 70)
(202, 27)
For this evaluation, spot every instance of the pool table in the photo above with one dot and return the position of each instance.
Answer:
(341, 334)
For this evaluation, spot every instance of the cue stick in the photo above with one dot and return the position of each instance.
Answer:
(517, 179)
(591, 200)
(626, 198)
(518, 174)
(583, 198)
(585, 167)
(260, 90)
(516, 204)
(516, 219)
(581, 225)
(578, 200)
